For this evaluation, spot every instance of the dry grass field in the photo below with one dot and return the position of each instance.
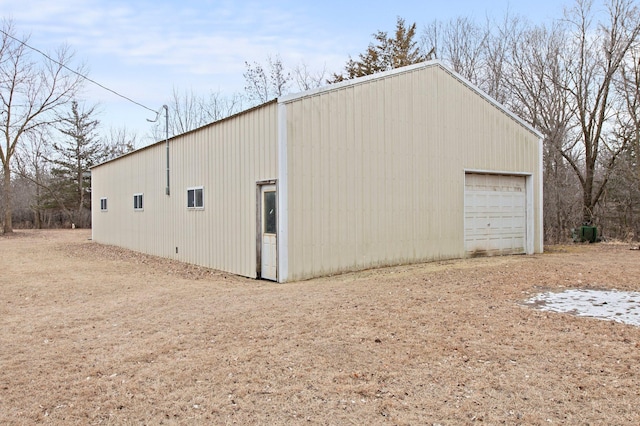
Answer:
(92, 334)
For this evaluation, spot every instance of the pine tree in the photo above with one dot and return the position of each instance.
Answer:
(385, 53)
(79, 150)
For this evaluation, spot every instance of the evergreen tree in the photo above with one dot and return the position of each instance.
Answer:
(79, 150)
(385, 53)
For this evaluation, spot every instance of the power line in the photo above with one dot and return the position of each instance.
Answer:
(76, 72)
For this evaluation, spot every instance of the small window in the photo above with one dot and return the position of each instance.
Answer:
(269, 212)
(103, 204)
(137, 201)
(195, 198)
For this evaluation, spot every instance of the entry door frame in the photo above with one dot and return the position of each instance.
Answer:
(259, 217)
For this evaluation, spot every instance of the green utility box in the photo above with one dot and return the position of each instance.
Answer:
(588, 233)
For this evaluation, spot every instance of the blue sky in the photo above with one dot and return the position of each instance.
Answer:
(144, 49)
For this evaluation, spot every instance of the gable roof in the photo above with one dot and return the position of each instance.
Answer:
(337, 86)
(409, 68)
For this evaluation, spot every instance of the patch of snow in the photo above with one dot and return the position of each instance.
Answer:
(620, 306)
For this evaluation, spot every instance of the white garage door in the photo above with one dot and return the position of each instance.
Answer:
(495, 214)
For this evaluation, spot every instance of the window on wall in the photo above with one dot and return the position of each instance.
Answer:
(269, 207)
(137, 201)
(195, 198)
(103, 204)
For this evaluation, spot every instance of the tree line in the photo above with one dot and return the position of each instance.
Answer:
(49, 137)
(575, 79)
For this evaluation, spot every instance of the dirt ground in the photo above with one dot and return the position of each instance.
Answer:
(92, 334)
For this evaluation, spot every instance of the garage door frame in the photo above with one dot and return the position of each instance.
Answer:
(529, 197)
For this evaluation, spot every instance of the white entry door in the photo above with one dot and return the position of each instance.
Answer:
(269, 227)
(495, 214)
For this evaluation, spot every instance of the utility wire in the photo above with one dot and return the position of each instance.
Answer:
(77, 73)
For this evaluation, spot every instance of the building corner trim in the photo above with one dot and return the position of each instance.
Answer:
(540, 211)
(283, 197)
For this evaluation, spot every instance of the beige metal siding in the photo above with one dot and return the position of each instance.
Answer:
(226, 159)
(376, 169)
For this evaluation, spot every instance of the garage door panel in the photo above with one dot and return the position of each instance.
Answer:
(495, 214)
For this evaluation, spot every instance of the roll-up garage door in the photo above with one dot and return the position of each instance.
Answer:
(495, 214)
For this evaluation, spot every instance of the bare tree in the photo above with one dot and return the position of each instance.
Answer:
(266, 83)
(117, 142)
(593, 58)
(499, 36)
(536, 85)
(622, 197)
(31, 92)
(460, 43)
(307, 79)
(275, 79)
(32, 164)
(628, 115)
(562, 80)
(479, 53)
(216, 106)
(190, 110)
(187, 112)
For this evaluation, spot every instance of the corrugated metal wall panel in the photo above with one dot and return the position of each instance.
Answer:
(227, 159)
(375, 172)
(376, 169)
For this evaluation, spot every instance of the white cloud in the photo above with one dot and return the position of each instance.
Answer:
(173, 35)
(144, 49)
